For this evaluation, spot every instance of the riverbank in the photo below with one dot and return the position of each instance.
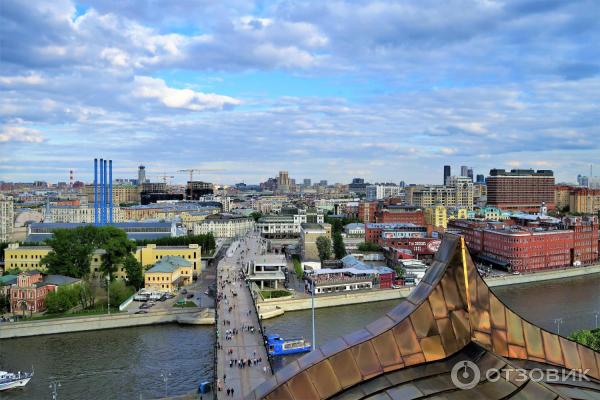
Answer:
(121, 320)
(271, 308)
(571, 272)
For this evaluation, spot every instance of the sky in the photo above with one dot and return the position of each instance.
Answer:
(387, 91)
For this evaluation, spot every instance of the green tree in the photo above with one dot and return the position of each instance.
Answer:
(119, 292)
(368, 246)
(116, 248)
(256, 215)
(71, 253)
(72, 249)
(298, 267)
(324, 247)
(62, 299)
(135, 272)
(589, 338)
(339, 248)
(86, 294)
(4, 303)
(3, 246)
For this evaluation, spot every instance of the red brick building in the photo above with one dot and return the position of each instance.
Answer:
(417, 240)
(30, 291)
(394, 214)
(374, 232)
(366, 211)
(520, 189)
(585, 238)
(573, 241)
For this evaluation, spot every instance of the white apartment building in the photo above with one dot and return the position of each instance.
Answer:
(7, 217)
(463, 190)
(224, 225)
(278, 227)
(269, 204)
(379, 192)
(457, 193)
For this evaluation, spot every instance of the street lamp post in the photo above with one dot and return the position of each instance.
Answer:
(596, 313)
(54, 385)
(558, 322)
(313, 315)
(108, 292)
(165, 377)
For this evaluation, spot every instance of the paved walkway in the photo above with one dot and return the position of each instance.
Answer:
(242, 362)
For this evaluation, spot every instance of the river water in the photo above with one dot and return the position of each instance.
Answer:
(127, 363)
(574, 300)
(112, 364)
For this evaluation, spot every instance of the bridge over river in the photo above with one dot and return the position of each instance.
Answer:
(236, 313)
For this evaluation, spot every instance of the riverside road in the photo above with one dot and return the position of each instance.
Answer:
(242, 362)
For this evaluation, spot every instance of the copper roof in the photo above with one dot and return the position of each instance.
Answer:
(450, 316)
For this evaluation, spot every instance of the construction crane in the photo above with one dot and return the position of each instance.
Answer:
(164, 177)
(191, 172)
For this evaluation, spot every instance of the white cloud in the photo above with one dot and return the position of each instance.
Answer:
(31, 79)
(153, 88)
(17, 133)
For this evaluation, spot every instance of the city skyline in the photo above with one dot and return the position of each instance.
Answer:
(386, 92)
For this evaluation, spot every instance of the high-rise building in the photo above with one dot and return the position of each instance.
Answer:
(283, 182)
(7, 217)
(447, 173)
(378, 192)
(470, 173)
(520, 189)
(141, 175)
(307, 182)
(463, 191)
(464, 170)
(584, 200)
(480, 178)
(323, 182)
(196, 189)
(358, 186)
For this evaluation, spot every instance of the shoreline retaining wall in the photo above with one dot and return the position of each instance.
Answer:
(80, 324)
(360, 297)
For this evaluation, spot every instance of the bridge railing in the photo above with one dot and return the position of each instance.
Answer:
(254, 291)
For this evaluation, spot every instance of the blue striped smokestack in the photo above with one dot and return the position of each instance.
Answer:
(110, 192)
(95, 191)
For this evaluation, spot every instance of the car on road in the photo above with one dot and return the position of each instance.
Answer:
(190, 296)
(141, 312)
(183, 291)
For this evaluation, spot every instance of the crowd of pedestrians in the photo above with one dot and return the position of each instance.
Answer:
(236, 329)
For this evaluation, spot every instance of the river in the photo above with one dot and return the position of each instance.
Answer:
(127, 363)
(574, 300)
(112, 364)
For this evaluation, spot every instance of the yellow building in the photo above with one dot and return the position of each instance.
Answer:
(561, 196)
(309, 233)
(436, 216)
(27, 258)
(584, 200)
(458, 213)
(152, 253)
(170, 273)
(127, 194)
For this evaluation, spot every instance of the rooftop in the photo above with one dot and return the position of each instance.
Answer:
(270, 259)
(169, 264)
